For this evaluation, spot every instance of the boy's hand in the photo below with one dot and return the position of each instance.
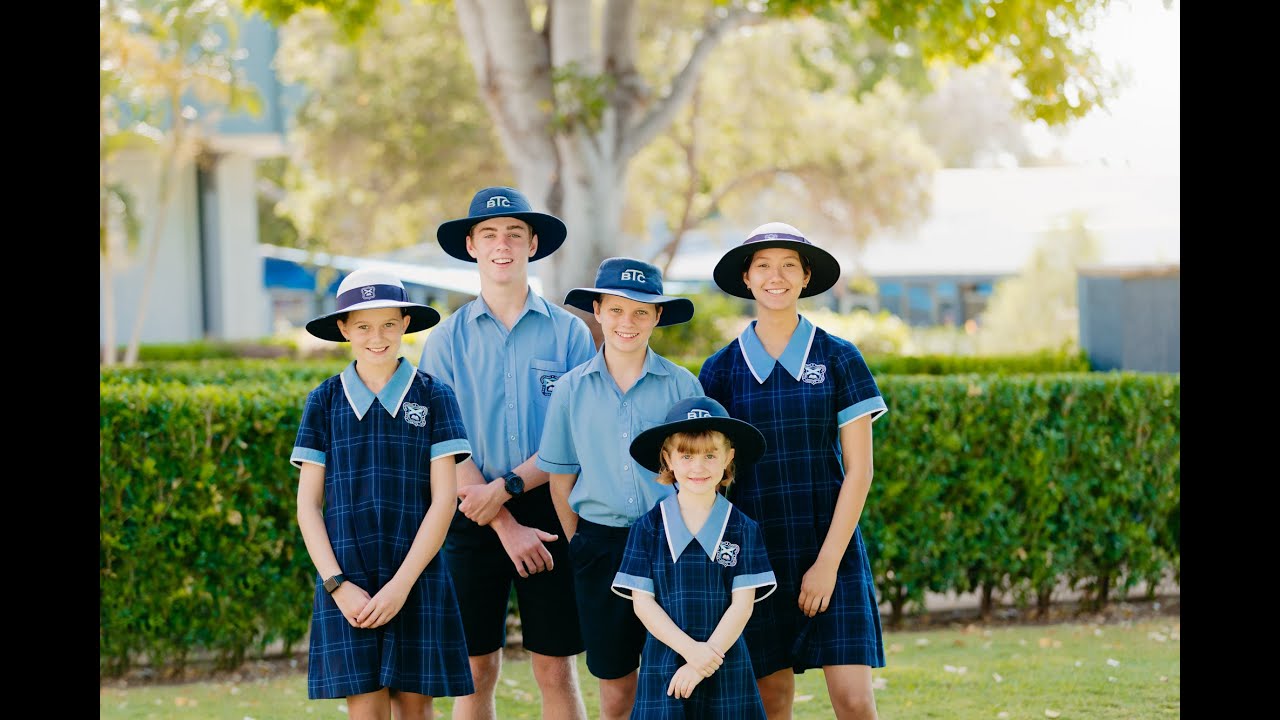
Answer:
(383, 606)
(525, 546)
(703, 659)
(350, 599)
(683, 682)
(480, 503)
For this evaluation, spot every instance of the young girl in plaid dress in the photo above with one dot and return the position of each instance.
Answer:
(376, 450)
(693, 567)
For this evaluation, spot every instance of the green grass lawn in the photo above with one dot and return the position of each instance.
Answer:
(1102, 672)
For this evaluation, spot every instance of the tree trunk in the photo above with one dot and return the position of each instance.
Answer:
(1042, 602)
(988, 601)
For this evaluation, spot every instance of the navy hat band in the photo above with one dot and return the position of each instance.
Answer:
(366, 293)
(776, 236)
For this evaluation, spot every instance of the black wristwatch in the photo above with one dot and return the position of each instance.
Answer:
(332, 583)
(513, 483)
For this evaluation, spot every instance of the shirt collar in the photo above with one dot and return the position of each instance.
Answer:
(678, 536)
(652, 363)
(794, 356)
(360, 397)
(532, 302)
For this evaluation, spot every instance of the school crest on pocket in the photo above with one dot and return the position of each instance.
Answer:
(727, 553)
(813, 373)
(415, 414)
(548, 383)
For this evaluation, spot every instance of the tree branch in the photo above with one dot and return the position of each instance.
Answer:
(662, 113)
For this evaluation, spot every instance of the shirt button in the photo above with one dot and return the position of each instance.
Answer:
(626, 467)
(510, 405)
(631, 500)
(508, 374)
(513, 437)
(624, 404)
(624, 434)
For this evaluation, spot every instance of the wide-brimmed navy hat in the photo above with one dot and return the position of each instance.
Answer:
(366, 289)
(501, 202)
(823, 265)
(697, 414)
(635, 280)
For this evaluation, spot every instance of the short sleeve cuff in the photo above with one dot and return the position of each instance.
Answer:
(759, 580)
(559, 468)
(458, 446)
(302, 454)
(873, 405)
(624, 584)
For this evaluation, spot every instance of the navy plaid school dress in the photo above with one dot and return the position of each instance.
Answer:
(821, 383)
(377, 488)
(693, 577)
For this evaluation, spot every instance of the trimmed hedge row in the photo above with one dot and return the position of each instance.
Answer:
(228, 370)
(1003, 483)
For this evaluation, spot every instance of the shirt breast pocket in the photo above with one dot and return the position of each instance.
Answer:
(544, 374)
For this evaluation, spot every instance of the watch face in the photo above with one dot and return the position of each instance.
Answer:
(515, 484)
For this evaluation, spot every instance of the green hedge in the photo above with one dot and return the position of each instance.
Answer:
(1008, 483)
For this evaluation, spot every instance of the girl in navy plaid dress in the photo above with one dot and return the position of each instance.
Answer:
(693, 567)
(376, 450)
(811, 395)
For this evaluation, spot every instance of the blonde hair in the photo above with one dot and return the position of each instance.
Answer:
(697, 441)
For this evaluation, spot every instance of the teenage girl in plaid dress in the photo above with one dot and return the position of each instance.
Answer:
(811, 395)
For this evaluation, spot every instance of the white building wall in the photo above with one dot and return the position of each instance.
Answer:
(239, 307)
(173, 311)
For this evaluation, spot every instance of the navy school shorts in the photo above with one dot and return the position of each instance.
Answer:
(614, 636)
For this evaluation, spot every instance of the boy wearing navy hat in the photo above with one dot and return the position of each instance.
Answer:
(376, 449)
(502, 354)
(597, 408)
(694, 567)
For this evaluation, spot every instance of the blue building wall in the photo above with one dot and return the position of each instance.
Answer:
(1130, 319)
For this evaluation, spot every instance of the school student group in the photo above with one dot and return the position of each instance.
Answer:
(696, 537)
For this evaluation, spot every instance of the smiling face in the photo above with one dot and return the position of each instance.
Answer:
(626, 324)
(697, 461)
(775, 276)
(375, 334)
(502, 247)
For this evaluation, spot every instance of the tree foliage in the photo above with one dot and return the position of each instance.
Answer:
(393, 139)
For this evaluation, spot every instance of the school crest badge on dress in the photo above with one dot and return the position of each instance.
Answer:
(415, 414)
(727, 553)
(813, 373)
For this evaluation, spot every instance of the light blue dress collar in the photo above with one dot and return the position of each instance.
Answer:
(709, 536)
(533, 302)
(794, 356)
(360, 397)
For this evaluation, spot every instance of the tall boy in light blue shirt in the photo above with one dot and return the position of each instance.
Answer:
(596, 410)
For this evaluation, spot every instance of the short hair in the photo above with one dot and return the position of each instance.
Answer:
(697, 441)
(471, 230)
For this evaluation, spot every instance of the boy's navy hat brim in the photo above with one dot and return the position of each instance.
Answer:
(494, 202)
(675, 310)
(824, 268)
(748, 442)
(370, 297)
(635, 280)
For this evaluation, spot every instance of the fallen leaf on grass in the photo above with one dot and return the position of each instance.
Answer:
(1002, 714)
(1051, 713)
(879, 683)
(1113, 662)
(803, 698)
(997, 677)
(1045, 642)
(896, 648)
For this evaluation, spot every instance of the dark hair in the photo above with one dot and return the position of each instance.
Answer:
(342, 316)
(804, 260)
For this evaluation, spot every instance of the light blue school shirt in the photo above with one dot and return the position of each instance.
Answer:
(503, 379)
(590, 426)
